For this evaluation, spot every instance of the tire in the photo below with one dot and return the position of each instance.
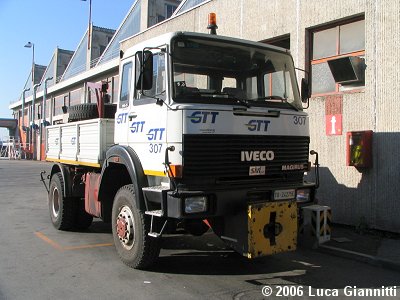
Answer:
(82, 219)
(61, 209)
(82, 112)
(87, 111)
(130, 228)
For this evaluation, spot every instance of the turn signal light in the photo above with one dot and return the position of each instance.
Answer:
(176, 171)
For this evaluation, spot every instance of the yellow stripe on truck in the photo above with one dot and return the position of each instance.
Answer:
(154, 173)
(74, 162)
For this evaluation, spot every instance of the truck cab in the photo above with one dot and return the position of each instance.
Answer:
(216, 123)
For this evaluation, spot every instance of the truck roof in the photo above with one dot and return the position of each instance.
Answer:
(167, 37)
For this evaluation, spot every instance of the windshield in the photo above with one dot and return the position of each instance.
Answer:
(210, 71)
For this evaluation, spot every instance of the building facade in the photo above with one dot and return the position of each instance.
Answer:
(357, 39)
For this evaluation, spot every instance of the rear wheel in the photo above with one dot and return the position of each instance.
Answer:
(61, 208)
(130, 228)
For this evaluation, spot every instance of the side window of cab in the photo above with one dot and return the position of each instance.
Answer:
(126, 84)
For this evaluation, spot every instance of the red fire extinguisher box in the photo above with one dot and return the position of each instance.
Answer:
(359, 149)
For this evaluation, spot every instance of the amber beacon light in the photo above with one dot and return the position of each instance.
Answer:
(212, 23)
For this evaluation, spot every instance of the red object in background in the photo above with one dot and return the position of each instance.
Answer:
(333, 124)
(42, 152)
(359, 149)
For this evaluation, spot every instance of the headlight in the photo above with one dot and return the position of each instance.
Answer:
(195, 204)
(303, 195)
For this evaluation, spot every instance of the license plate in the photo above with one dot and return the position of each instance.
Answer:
(256, 170)
(284, 194)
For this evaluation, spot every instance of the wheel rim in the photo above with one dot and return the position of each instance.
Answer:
(125, 227)
(55, 202)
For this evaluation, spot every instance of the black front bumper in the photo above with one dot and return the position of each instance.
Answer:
(224, 202)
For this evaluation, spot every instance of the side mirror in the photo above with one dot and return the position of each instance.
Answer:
(144, 70)
(305, 90)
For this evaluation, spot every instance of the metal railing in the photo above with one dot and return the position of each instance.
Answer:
(13, 148)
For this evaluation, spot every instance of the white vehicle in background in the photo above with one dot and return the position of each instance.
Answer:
(209, 132)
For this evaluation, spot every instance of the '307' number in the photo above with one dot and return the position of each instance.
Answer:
(297, 120)
(155, 148)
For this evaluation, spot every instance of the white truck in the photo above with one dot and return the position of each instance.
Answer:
(209, 132)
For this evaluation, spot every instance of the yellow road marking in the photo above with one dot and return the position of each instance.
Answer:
(88, 246)
(49, 241)
(57, 246)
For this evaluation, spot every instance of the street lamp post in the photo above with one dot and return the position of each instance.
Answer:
(31, 133)
(90, 22)
(23, 108)
(43, 123)
(32, 45)
(33, 125)
(44, 100)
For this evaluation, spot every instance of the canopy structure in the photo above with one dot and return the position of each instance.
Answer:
(11, 125)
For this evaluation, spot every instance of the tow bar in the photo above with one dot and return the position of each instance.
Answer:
(44, 180)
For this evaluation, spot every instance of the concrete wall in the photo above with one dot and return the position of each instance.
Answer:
(356, 197)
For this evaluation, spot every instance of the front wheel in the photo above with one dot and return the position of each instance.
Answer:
(130, 228)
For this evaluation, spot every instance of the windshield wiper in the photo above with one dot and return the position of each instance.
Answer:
(275, 97)
(226, 95)
(242, 102)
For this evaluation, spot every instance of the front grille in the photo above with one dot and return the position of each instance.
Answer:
(217, 158)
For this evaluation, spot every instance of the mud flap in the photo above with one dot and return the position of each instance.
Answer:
(272, 228)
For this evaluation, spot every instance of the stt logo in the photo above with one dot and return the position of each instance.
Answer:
(203, 117)
(155, 134)
(258, 125)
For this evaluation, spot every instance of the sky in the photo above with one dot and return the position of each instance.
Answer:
(47, 24)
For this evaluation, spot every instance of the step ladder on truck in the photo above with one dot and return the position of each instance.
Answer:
(209, 132)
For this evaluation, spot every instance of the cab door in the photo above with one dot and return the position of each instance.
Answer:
(147, 119)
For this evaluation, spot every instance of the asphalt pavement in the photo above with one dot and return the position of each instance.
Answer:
(39, 262)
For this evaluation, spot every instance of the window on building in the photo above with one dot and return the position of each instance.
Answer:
(189, 4)
(58, 103)
(169, 10)
(75, 97)
(48, 108)
(330, 45)
(66, 100)
(160, 18)
(280, 41)
(38, 111)
(102, 48)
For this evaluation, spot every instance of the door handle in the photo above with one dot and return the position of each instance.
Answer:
(132, 115)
